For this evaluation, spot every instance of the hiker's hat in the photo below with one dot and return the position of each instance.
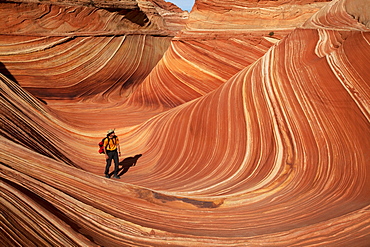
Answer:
(110, 131)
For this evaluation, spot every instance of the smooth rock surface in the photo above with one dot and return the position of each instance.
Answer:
(248, 138)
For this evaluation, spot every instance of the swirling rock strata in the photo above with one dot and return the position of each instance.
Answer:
(276, 155)
(219, 40)
(57, 50)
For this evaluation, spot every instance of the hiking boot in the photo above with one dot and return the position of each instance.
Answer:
(116, 176)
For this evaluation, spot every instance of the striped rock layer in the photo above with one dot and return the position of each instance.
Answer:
(240, 136)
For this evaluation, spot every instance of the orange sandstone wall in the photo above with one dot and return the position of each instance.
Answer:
(59, 50)
(220, 39)
(272, 152)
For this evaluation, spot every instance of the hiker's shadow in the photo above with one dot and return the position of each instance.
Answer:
(125, 164)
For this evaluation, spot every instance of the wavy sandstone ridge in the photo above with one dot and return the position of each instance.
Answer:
(274, 155)
(219, 40)
(59, 50)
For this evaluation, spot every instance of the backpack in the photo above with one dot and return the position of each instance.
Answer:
(101, 147)
(101, 144)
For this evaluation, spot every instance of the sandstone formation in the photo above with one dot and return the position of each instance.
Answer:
(109, 47)
(219, 40)
(250, 134)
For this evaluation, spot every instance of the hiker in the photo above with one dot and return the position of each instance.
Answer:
(112, 151)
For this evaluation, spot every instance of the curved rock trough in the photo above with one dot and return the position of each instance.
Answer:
(242, 123)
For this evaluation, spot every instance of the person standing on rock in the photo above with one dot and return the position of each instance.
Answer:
(112, 152)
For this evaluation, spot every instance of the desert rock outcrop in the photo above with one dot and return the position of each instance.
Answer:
(248, 138)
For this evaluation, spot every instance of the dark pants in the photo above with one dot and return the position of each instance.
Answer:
(112, 155)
